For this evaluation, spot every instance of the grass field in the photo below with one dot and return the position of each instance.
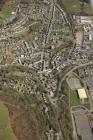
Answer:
(73, 97)
(74, 6)
(6, 132)
(7, 10)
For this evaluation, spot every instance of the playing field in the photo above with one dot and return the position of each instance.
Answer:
(6, 132)
(73, 98)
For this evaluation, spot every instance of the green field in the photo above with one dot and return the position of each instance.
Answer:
(74, 6)
(7, 10)
(73, 98)
(6, 132)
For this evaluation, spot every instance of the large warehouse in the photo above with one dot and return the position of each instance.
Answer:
(82, 95)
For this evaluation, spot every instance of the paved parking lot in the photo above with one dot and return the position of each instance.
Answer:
(82, 125)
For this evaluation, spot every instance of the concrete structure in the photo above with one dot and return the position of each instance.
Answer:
(82, 125)
(74, 83)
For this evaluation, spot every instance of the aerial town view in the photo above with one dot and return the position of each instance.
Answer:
(46, 69)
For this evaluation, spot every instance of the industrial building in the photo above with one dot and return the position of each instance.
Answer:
(82, 95)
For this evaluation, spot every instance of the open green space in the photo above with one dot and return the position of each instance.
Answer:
(73, 98)
(7, 10)
(74, 6)
(6, 132)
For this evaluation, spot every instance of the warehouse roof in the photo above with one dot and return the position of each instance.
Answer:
(82, 93)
